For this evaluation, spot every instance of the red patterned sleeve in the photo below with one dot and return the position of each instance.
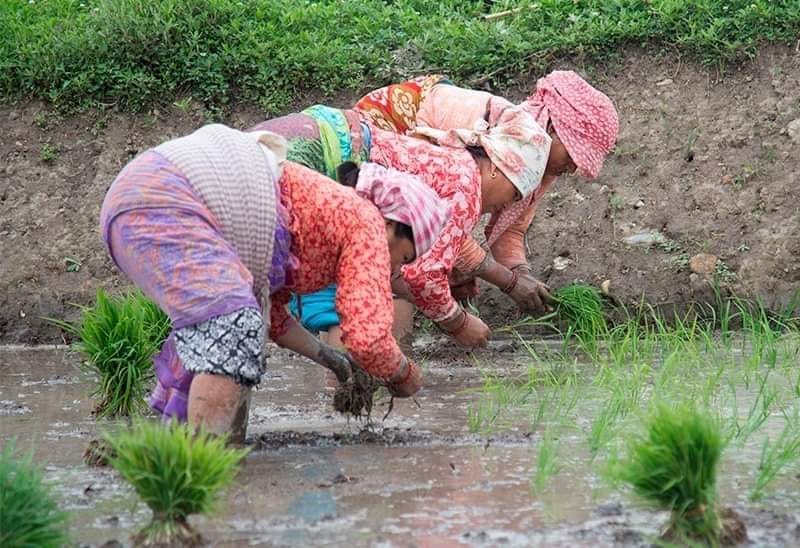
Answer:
(364, 296)
(279, 318)
(455, 178)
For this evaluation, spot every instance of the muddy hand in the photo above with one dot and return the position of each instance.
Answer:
(530, 294)
(406, 382)
(339, 362)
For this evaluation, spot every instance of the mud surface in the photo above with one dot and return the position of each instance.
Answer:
(419, 479)
(708, 162)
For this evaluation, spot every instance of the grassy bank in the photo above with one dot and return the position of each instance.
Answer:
(133, 53)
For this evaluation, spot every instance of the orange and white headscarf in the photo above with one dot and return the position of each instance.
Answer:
(516, 144)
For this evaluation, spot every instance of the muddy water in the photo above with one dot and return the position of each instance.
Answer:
(421, 479)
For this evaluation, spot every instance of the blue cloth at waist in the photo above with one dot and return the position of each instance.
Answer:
(316, 311)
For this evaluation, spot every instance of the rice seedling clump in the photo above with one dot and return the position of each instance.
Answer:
(176, 472)
(673, 464)
(28, 514)
(580, 308)
(118, 337)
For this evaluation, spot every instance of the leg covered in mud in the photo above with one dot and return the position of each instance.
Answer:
(225, 356)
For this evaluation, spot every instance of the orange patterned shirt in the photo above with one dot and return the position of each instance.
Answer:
(340, 238)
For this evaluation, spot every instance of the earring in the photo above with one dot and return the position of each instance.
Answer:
(493, 174)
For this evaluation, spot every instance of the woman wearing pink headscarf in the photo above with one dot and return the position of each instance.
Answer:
(581, 121)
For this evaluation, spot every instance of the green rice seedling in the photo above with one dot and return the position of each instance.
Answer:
(777, 455)
(547, 460)
(580, 308)
(673, 465)
(761, 408)
(177, 472)
(28, 514)
(668, 373)
(626, 394)
(723, 313)
(118, 337)
(498, 396)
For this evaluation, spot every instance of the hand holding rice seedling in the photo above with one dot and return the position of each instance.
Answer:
(176, 472)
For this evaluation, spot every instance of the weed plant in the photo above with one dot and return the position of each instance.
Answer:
(118, 337)
(176, 472)
(132, 53)
(673, 465)
(28, 514)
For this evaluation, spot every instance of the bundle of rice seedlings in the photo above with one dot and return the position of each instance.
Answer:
(580, 308)
(673, 465)
(118, 337)
(176, 472)
(28, 514)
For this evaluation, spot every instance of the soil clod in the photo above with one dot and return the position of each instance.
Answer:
(97, 453)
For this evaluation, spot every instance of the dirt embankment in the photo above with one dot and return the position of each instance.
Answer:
(703, 165)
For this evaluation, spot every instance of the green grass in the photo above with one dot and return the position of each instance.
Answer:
(673, 465)
(132, 53)
(29, 517)
(176, 471)
(118, 337)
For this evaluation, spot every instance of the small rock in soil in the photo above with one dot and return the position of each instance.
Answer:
(703, 263)
(561, 263)
(793, 129)
(10, 408)
(727, 180)
(644, 238)
(699, 284)
(609, 509)
(639, 204)
(666, 82)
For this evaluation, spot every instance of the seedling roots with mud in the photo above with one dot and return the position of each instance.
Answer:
(356, 395)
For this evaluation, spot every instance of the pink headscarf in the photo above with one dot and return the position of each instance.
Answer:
(516, 144)
(584, 119)
(406, 199)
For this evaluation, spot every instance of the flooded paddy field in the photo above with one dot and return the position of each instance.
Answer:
(462, 465)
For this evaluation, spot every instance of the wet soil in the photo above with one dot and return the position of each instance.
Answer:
(419, 479)
(710, 161)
